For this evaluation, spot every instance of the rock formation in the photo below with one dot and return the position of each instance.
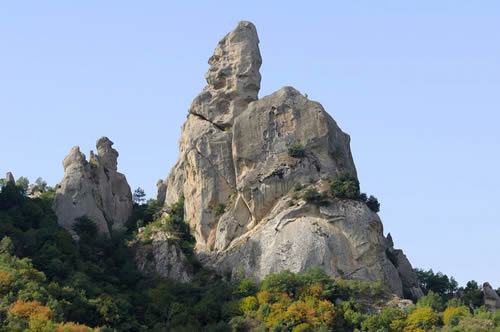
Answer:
(34, 191)
(94, 189)
(9, 178)
(238, 179)
(162, 257)
(491, 298)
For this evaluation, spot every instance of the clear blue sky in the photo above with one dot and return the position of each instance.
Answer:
(415, 83)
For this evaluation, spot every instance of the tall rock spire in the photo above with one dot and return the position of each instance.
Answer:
(233, 77)
(243, 188)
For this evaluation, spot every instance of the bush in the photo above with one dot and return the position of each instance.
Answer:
(431, 300)
(313, 196)
(457, 312)
(373, 204)
(423, 318)
(345, 185)
(296, 151)
(219, 209)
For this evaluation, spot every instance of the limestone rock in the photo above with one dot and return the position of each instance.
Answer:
(163, 257)
(491, 298)
(34, 191)
(233, 78)
(234, 152)
(9, 178)
(162, 191)
(93, 188)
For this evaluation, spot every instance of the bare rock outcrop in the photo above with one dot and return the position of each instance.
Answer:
(491, 298)
(162, 256)
(93, 189)
(9, 178)
(237, 176)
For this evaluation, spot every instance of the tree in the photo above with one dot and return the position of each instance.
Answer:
(139, 196)
(42, 184)
(23, 184)
(6, 246)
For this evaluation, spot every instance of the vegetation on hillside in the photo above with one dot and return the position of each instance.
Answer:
(49, 282)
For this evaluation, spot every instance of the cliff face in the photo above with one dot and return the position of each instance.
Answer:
(238, 179)
(93, 188)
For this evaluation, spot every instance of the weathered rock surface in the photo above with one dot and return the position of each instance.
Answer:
(34, 191)
(9, 178)
(162, 257)
(491, 298)
(234, 153)
(93, 188)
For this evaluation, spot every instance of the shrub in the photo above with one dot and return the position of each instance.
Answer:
(313, 196)
(345, 185)
(337, 154)
(249, 304)
(373, 204)
(219, 209)
(423, 318)
(431, 300)
(296, 151)
(458, 312)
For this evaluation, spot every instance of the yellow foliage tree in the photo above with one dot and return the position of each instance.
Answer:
(249, 304)
(421, 319)
(264, 297)
(459, 312)
(39, 316)
(74, 327)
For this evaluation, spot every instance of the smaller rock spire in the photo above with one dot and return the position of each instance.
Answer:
(9, 178)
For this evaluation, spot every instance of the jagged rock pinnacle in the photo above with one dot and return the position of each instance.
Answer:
(235, 154)
(233, 77)
(93, 189)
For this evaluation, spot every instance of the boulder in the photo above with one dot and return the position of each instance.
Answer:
(93, 189)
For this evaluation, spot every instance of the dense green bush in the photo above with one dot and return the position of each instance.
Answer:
(312, 195)
(373, 204)
(345, 185)
(219, 209)
(297, 151)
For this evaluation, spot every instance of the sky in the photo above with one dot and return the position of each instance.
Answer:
(416, 84)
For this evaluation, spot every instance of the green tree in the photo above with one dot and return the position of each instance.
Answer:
(23, 183)
(431, 300)
(139, 196)
(42, 184)
(6, 246)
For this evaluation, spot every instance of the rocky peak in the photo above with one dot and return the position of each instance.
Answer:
(9, 178)
(233, 77)
(107, 155)
(93, 189)
(243, 187)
